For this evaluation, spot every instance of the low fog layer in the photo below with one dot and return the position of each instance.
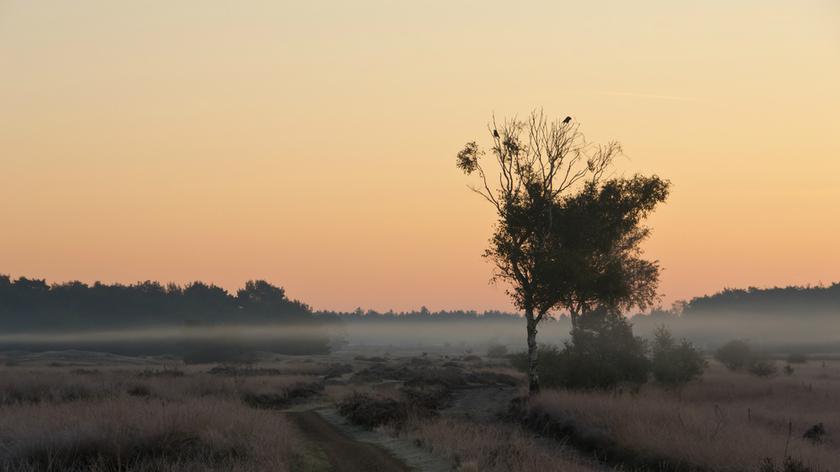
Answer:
(150, 318)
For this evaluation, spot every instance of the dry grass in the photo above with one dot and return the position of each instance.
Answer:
(21, 386)
(493, 447)
(727, 422)
(139, 435)
(129, 419)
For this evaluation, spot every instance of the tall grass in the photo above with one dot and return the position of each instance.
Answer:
(493, 447)
(141, 435)
(727, 422)
(130, 419)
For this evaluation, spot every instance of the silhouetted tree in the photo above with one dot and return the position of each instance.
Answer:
(535, 163)
(596, 257)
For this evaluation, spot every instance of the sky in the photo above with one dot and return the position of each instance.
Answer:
(312, 144)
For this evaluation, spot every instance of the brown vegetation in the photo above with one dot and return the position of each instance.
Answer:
(727, 422)
(493, 447)
(136, 419)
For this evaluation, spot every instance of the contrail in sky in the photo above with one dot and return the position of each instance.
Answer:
(653, 96)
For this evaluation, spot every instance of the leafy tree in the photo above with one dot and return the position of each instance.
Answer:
(597, 257)
(674, 363)
(562, 239)
(536, 162)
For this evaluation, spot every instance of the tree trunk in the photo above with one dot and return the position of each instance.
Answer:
(533, 375)
(574, 315)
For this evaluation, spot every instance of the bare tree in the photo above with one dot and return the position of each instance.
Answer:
(534, 163)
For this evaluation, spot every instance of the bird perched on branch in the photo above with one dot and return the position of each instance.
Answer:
(495, 133)
(567, 120)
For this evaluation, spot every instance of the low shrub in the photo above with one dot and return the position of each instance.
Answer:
(815, 433)
(139, 390)
(735, 355)
(371, 412)
(280, 399)
(602, 354)
(763, 368)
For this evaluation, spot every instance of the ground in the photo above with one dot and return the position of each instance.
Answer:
(399, 410)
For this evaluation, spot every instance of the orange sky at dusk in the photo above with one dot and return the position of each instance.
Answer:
(312, 143)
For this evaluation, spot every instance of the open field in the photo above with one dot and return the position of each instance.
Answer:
(135, 414)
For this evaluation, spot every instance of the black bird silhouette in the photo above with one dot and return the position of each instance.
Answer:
(567, 120)
(495, 134)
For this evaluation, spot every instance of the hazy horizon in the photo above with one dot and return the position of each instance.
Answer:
(312, 145)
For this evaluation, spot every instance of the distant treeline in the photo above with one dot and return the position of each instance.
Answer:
(780, 301)
(422, 315)
(28, 305)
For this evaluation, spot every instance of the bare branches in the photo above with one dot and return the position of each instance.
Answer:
(534, 163)
(538, 154)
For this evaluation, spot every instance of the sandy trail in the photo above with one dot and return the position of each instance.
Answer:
(344, 453)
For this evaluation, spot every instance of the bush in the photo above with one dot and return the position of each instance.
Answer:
(602, 354)
(735, 355)
(815, 433)
(371, 412)
(674, 363)
(763, 368)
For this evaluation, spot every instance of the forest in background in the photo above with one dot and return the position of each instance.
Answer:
(781, 317)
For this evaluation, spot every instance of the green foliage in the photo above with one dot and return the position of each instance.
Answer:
(674, 363)
(552, 368)
(735, 355)
(597, 236)
(602, 354)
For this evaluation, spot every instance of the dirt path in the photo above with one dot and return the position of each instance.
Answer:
(344, 453)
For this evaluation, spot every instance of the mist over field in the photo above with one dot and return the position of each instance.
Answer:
(148, 318)
(623, 215)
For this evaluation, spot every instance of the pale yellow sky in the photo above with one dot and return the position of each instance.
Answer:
(312, 144)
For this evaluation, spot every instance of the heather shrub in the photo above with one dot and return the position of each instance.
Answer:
(763, 368)
(370, 411)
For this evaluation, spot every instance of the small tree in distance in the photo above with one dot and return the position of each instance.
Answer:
(674, 363)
